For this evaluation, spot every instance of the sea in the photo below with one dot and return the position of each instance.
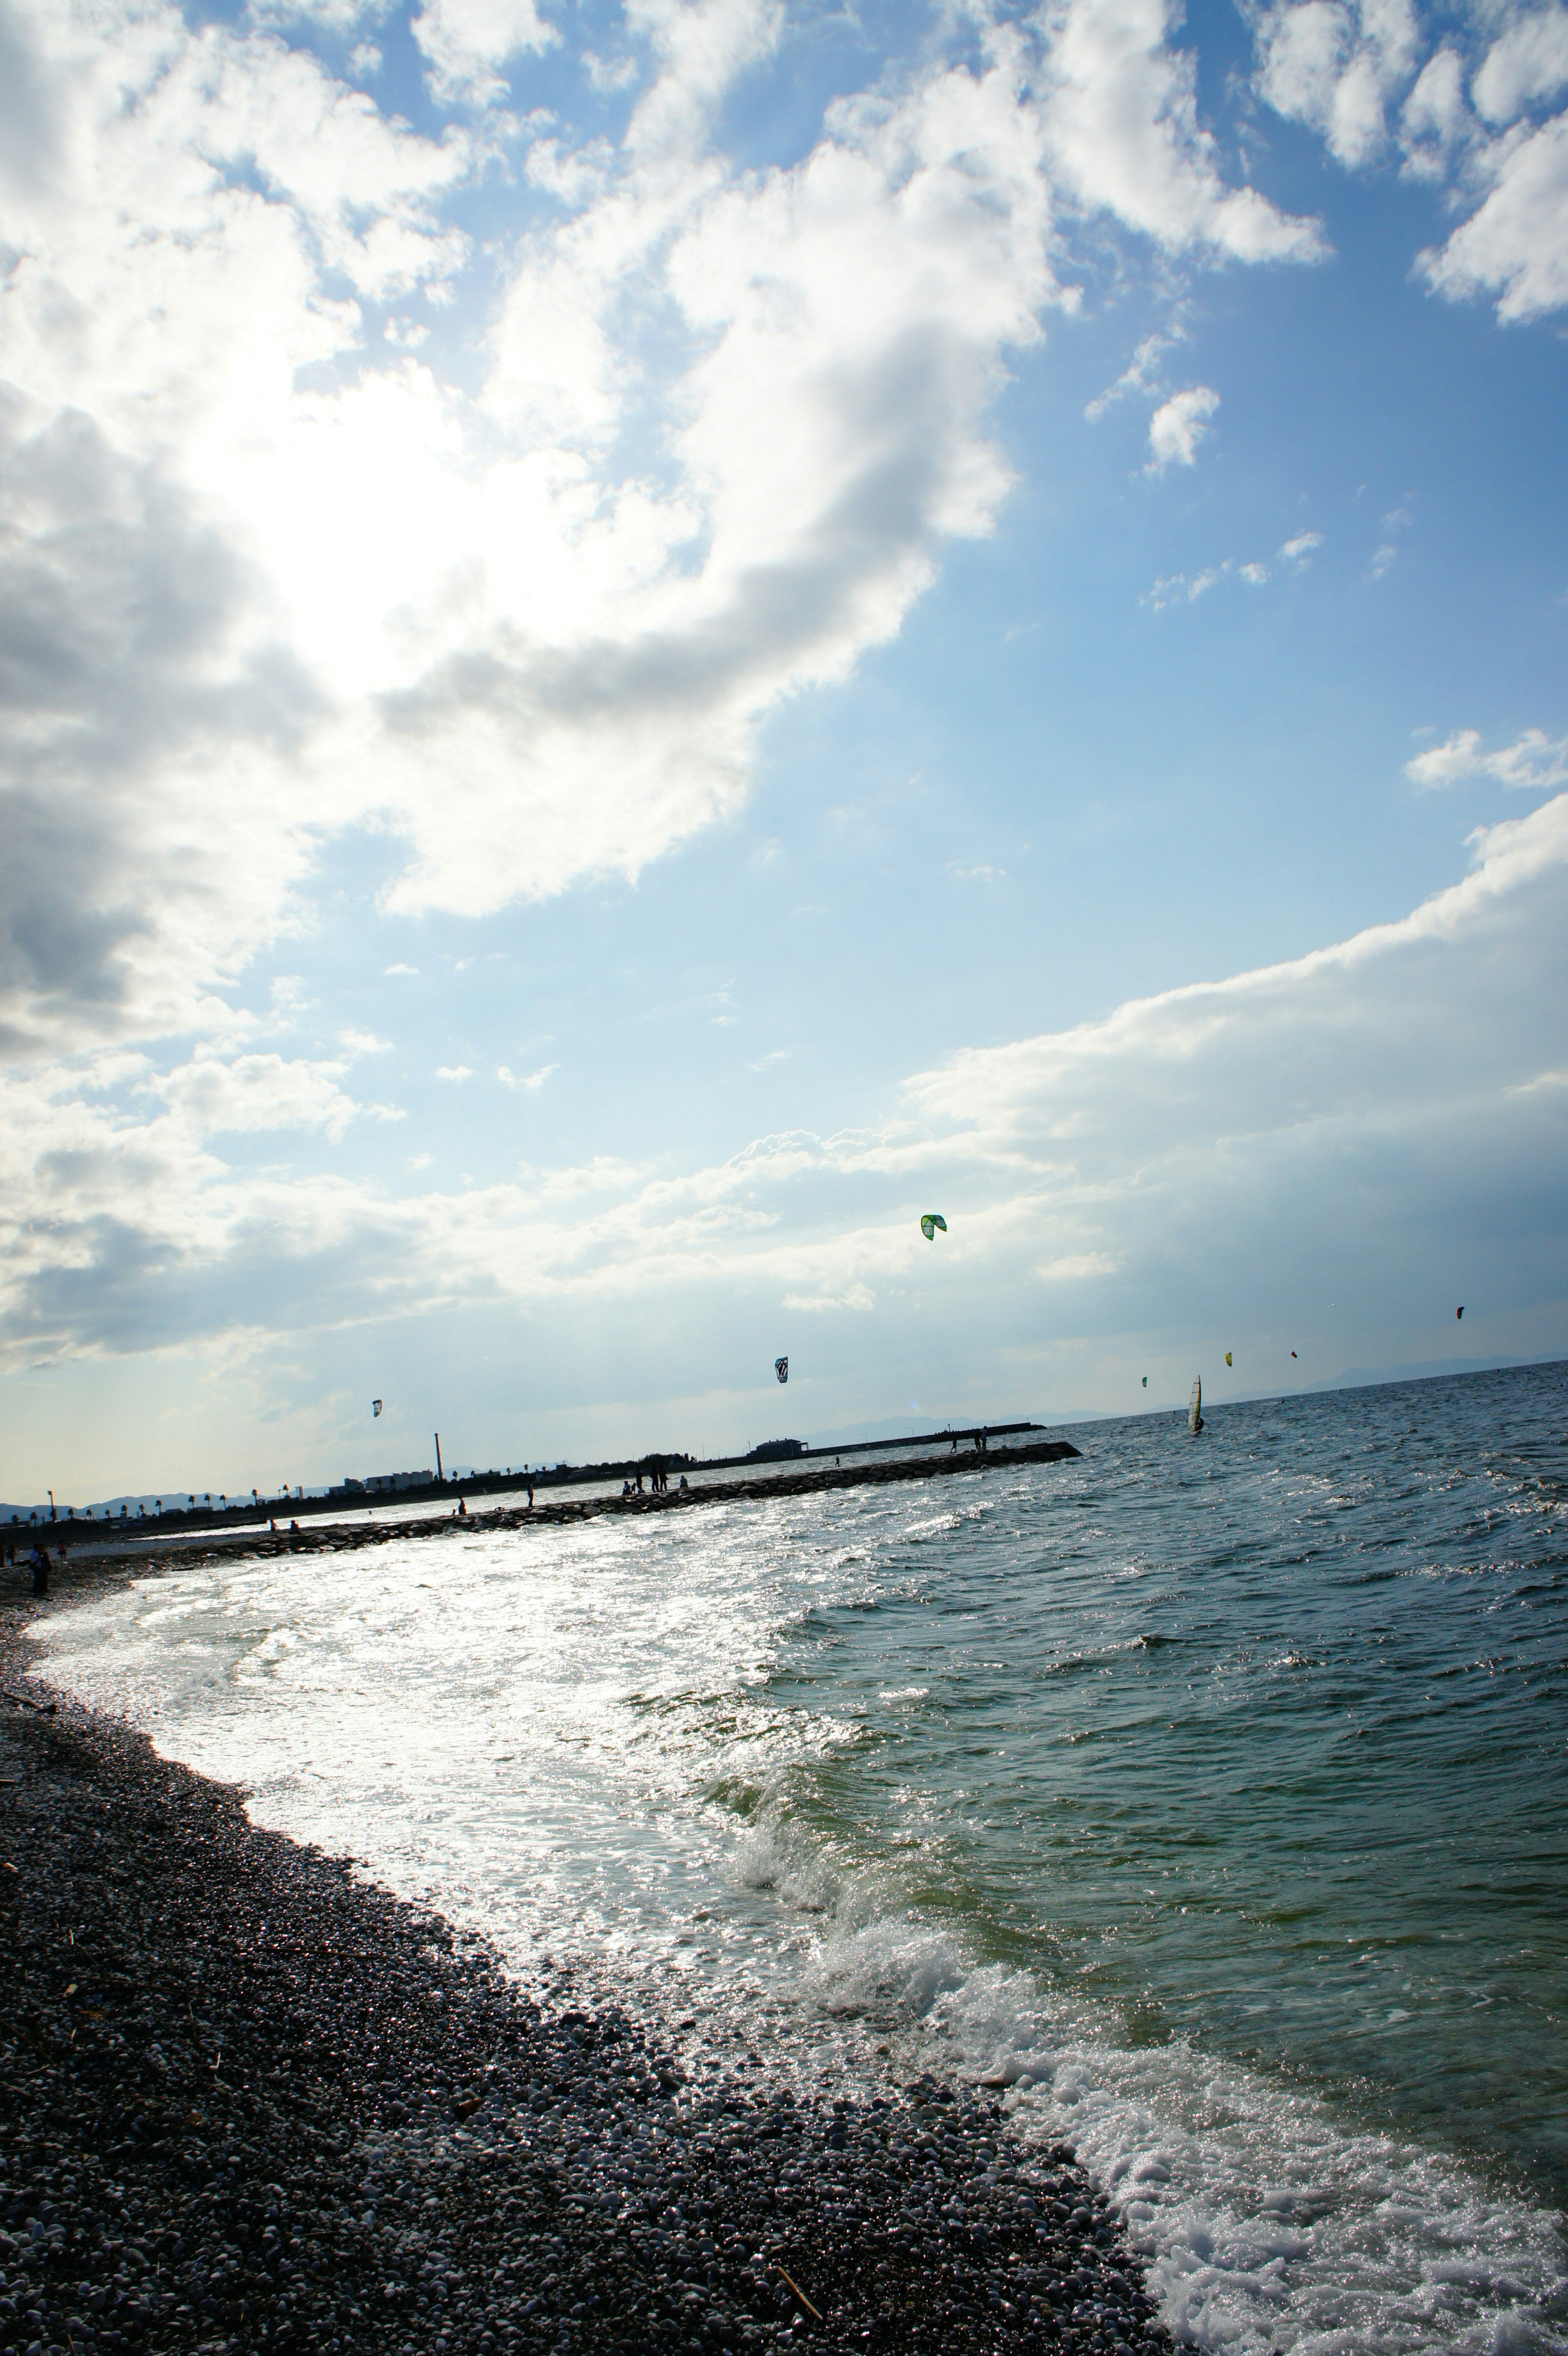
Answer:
(1208, 1797)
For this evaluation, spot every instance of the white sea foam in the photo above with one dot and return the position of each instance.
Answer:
(1265, 2222)
(642, 1748)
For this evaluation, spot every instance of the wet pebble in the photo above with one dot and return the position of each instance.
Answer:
(250, 2104)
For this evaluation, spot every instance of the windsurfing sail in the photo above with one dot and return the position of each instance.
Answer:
(1195, 1407)
(781, 1368)
(375, 1409)
(930, 1221)
(1228, 1357)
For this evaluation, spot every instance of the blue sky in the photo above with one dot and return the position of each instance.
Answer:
(643, 641)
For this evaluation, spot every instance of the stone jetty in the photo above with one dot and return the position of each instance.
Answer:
(330, 1537)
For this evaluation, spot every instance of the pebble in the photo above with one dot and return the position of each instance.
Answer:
(251, 2104)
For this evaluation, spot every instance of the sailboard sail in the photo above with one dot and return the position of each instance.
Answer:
(1195, 1408)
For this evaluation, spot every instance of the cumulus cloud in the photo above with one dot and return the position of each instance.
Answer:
(1533, 760)
(257, 1092)
(551, 653)
(1528, 61)
(1121, 119)
(1346, 1112)
(1178, 426)
(1515, 245)
(1335, 64)
(467, 41)
(1357, 72)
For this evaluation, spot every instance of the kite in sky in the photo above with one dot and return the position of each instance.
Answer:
(930, 1222)
(1460, 1310)
(1145, 1382)
(781, 1368)
(375, 1409)
(1228, 1357)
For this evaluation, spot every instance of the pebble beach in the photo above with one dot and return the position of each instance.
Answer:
(251, 2102)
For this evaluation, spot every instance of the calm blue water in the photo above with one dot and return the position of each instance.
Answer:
(1210, 1794)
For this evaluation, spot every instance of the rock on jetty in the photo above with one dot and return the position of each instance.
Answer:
(334, 1538)
(252, 2104)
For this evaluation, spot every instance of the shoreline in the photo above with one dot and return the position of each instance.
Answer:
(337, 1537)
(251, 2103)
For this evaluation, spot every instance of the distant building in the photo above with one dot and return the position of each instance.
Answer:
(380, 1481)
(770, 1452)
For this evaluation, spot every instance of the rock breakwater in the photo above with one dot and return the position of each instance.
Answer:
(249, 2102)
(332, 1537)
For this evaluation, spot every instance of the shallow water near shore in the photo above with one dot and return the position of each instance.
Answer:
(1210, 1794)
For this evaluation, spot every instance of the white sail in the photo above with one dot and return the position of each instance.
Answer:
(1195, 1407)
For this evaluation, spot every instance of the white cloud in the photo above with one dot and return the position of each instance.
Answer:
(257, 1092)
(1121, 119)
(545, 656)
(1528, 61)
(454, 1071)
(468, 42)
(1141, 375)
(1335, 64)
(858, 1297)
(604, 1172)
(532, 1080)
(703, 47)
(1533, 760)
(336, 17)
(1183, 589)
(1340, 67)
(609, 73)
(1069, 1268)
(1180, 589)
(1435, 122)
(1515, 245)
(1351, 1110)
(1178, 426)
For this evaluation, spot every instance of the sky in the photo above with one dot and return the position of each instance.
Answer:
(639, 641)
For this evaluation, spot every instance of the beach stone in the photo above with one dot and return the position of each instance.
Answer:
(250, 2104)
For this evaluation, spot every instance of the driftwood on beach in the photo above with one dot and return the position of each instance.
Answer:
(334, 1538)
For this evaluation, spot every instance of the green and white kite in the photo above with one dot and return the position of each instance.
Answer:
(930, 1222)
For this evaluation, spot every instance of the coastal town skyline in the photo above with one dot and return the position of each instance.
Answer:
(645, 642)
